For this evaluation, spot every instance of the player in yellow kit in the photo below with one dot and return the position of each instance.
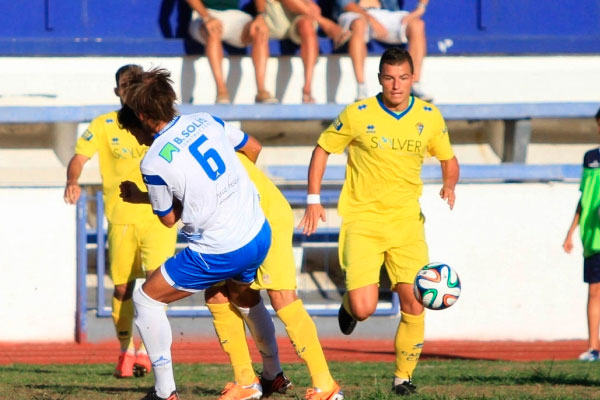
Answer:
(277, 275)
(138, 242)
(387, 137)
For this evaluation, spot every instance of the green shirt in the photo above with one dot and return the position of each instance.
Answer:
(589, 220)
(221, 4)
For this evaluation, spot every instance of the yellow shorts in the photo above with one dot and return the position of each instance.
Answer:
(278, 271)
(135, 249)
(364, 246)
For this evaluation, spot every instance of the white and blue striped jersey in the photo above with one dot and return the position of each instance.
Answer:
(193, 160)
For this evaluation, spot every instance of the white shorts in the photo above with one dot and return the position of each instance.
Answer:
(233, 22)
(282, 22)
(391, 20)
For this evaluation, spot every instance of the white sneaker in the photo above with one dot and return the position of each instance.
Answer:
(590, 355)
(361, 92)
(417, 91)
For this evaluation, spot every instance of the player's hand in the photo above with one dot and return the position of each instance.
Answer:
(378, 30)
(568, 244)
(130, 193)
(72, 193)
(447, 194)
(311, 217)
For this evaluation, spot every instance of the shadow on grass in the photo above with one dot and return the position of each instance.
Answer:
(535, 376)
(69, 389)
(202, 391)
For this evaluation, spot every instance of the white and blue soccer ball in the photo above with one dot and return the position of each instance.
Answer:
(437, 286)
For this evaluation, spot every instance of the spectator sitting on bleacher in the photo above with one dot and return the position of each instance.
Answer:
(298, 20)
(214, 22)
(383, 20)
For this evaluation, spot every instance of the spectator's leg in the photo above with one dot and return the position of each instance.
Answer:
(214, 53)
(258, 36)
(593, 313)
(309, 51)
(357, 48)
(417, 44)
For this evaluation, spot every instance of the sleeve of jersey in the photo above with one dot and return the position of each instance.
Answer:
(439, 146)
(87, 144)
(236, 136)
(161, 196)
(338, 134)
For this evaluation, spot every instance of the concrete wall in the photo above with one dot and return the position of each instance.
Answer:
(89, 80)
(503, 239)
(38, 264)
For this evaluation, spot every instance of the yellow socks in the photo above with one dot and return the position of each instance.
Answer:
(122, 314)
(231, 331)
(409, 343)
(303, 333)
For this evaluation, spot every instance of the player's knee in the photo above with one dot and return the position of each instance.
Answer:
(142, 300)
(363, 311)
(123, 291)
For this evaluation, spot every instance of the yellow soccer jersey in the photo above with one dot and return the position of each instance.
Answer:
(385, 155)
(273, 202)
(119, 155)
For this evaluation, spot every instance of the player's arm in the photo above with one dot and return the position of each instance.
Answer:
(450, 174)
(568, 243)
(251, 148)
(314, 209)
(173, 216)
(164, 204)
(72, 188)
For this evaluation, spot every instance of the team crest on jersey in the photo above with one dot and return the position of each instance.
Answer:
(362, 107)
(427, 108)
(337, 124)
(87, 135)
(167, 152)
(115, 140)
(109, 120)
(420, 127)
(370, 129)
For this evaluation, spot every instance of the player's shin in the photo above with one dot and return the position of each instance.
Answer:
(231, 331)
(151, 320)
(303, 333)
(122, 315)
(409, 344)
(262, 329)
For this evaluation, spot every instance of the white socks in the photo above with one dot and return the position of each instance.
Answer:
(261, 327)
(153, 325)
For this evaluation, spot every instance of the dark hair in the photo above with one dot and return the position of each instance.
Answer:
(125, 68)
(598, 115)
(395, 56)
(150, 94)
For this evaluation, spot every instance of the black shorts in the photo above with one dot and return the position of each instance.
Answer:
(591, 268)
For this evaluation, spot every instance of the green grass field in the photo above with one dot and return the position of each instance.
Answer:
(443, 379)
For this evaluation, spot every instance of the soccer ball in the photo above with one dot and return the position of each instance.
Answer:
(437, 286)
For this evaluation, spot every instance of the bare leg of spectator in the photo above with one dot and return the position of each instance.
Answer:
(214, 53)
(309, 51)
(259, 38)
(358, 53)
(417, 44)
